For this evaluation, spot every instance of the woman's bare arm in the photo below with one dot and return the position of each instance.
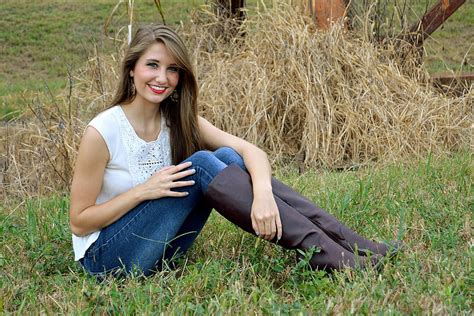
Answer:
(87, 217)
(265, 216)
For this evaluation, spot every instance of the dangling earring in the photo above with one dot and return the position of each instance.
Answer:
(174, 96)
(132, 84)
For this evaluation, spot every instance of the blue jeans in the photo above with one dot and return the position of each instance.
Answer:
(159, 229)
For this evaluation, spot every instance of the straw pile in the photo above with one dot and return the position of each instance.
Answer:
(39, 150)
(327, 99)
(334, 98)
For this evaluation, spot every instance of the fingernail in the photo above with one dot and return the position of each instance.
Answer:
(193, 182)
(193, 170)
(257, 233)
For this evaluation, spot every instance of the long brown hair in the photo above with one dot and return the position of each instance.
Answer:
(181, 116)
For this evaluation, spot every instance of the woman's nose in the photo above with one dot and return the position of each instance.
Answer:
(161, 75)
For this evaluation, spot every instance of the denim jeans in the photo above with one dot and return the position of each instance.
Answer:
(159, 229)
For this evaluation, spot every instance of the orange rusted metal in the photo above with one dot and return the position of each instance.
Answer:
(328, 12)
(324, 12)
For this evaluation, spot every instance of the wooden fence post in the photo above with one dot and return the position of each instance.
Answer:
(230, 16)
(230, 9)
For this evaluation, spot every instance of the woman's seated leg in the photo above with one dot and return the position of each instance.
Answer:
(140, 238)
(199, 215)
(229, 156)
(187, 233)
(340, 233)
(197, 218)
(230, 193)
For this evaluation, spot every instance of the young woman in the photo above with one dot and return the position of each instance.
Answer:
(149, 170)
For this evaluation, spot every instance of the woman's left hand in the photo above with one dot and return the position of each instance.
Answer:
(266, 217)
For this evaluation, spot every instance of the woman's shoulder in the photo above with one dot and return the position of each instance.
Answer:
(106, 123)
(106, 115)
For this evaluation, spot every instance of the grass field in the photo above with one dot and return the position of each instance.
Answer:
(428, 205)
(41, 40)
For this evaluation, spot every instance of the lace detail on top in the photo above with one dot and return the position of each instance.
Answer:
(144, 158)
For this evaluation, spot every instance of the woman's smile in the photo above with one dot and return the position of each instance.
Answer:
(157, 89)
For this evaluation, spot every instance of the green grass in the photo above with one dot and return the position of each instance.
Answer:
(428, 204)
(41, 40)
(451, 46)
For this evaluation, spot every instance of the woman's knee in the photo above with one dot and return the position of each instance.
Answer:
(205, 161)
(201, 158)
(229, 156)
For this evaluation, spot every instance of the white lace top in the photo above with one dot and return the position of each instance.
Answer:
(132, 161)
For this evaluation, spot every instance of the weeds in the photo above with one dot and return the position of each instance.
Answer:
(229, 271)
(318, 99)
(327, 100)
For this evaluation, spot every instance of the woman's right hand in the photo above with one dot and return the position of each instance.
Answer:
(86, 216)
(163, 181)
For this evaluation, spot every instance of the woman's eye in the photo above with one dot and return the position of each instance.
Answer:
(173, 69)
(152, 65)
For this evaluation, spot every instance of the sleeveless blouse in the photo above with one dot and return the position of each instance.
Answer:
(132, 161)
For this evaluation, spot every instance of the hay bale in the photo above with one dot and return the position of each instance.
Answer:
(334, 97)
(330, 99)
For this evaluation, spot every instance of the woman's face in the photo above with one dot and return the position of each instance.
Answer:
(155, 75)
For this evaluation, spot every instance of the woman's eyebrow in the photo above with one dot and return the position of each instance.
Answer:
(152, 60)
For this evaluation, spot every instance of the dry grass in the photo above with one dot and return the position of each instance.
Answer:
(331, 100)
(334, 97)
